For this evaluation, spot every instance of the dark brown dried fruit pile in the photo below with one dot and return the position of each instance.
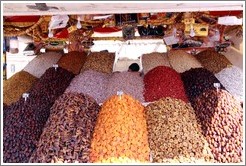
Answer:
(73, 61)
(15, 86)
(68, 132)
(24, 120)
(221, 118)
(198, 80)
(174, 134)
(213, 61)
(99, 61)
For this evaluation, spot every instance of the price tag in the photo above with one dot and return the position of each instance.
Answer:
(151, 157)
(120, 93)
(217, 86)
(25, 96)
(55, 66)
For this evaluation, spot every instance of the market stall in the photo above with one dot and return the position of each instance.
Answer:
(74, 98)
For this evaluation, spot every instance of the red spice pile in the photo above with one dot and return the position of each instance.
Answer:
(163, 81)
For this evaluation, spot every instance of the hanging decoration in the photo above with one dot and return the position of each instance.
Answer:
(178, 30)
(9, 31)
(58, 21)
(78, 23)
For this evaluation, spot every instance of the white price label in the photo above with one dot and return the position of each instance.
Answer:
(25, 96)
(120, 93)
(217, 86)
(55, 66)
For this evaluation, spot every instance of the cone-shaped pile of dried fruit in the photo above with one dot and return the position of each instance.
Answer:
(120, 135)
(68, 131)
(163, 81)
(174, 134)
(221, 117)
(72, 61)
(198, 80)
(24, 120)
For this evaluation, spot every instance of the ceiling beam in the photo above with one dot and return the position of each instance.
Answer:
(111, 7)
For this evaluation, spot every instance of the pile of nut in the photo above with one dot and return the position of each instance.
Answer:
(213, 61)
(221, 117)
(92, 83)
(181, 61)
(68, 132)
(198, 80)
(72, 61)
(129, 82)
(99, 61)
(174, 134)
(41, 63)
(13, 87)
(152, 60)
(24, 120)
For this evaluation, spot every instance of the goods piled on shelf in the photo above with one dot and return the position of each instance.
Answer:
(174, 134)
(24, 120)
(92, 83)
(181, 61)
(163, 81)
(232, 79)
(213, 61)
(198, 80)
(99, 61)
(129, 82)
(15, 86)
(120, 135)
(153, 60)
(67, 134)
(221, 118)
(41, 63)
(72, 61)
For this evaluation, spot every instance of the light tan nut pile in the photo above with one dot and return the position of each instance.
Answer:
(153, 60)
(174, 134)
(41, 63)
(181, 61)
